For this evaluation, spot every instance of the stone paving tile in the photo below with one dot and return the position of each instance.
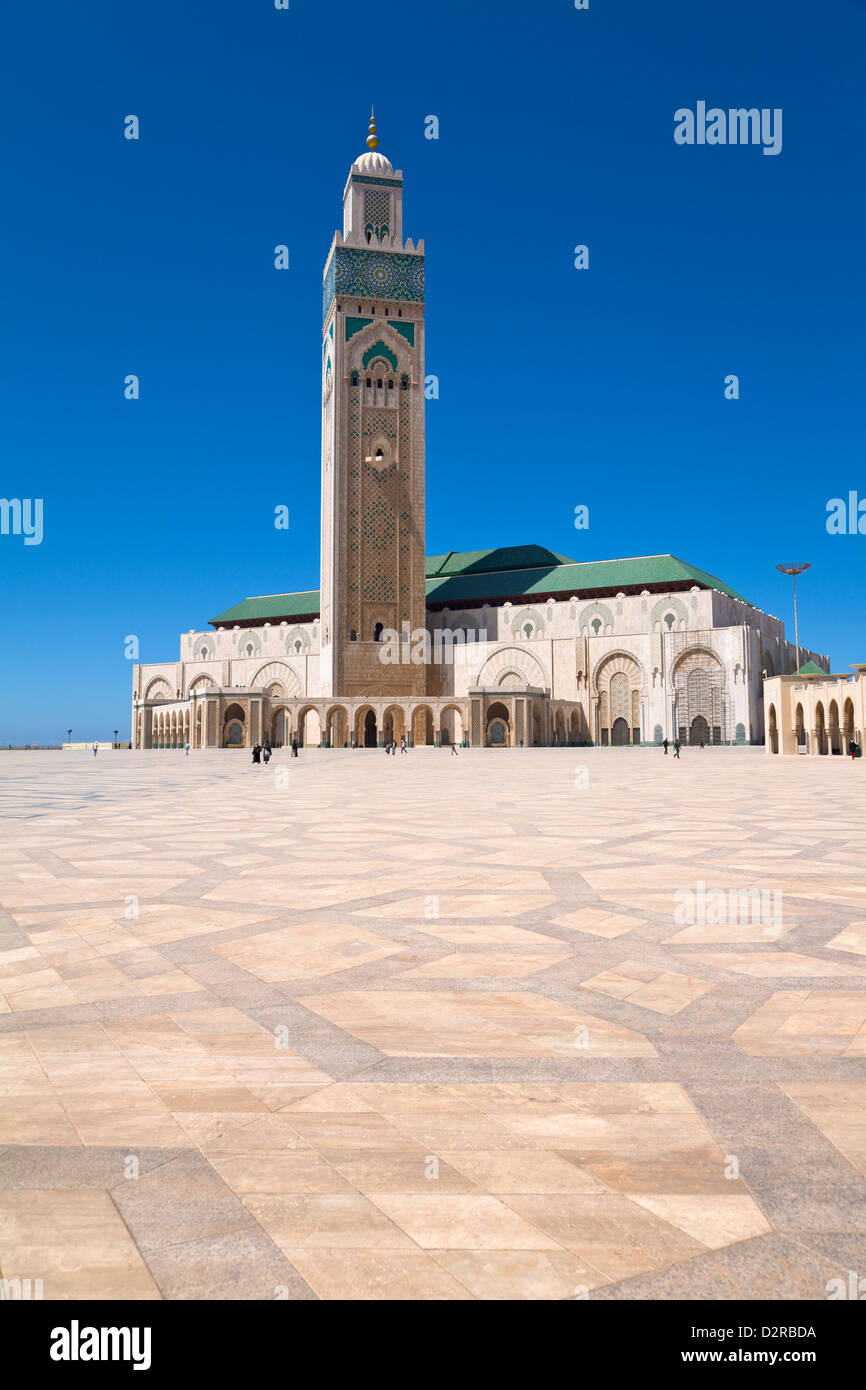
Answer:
(444, 1035)
(774, 1268)
(243, 1264)
(762, 965)
(665, 992)
(75, 1241)
(392, 1275)
(839, 1111)
(851, 938)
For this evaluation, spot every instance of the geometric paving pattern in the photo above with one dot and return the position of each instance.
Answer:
(432, 1028)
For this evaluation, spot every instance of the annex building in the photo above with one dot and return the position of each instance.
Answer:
(815, 713)
(508, 647)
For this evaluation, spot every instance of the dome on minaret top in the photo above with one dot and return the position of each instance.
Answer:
(371, 162)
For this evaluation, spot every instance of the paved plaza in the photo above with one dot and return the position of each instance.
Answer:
(518, 1024)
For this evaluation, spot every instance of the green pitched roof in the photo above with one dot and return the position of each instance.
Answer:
(509, 557)
(305, 604)
(810, 669)
(589, 576)
(528, 571)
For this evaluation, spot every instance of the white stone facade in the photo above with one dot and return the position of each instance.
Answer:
(635, 666)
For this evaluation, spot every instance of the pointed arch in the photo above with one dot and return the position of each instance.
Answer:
(518, 660)
(278, 673)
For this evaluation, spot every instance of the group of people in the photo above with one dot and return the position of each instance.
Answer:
(404, 747)
(677, 745)
(262, 751)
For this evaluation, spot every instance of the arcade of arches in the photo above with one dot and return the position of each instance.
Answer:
(500, 718)
(612, 711)
(814, 715)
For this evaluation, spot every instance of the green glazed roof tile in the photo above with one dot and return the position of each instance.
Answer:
(510, 572)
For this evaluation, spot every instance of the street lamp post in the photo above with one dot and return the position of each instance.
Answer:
(794, 570)
(115, 738)
(68, 735)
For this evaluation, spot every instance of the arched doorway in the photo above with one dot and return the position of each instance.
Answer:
(360, 717)
(773, 731)
(280, 729)
(699, 731)
(847, 725)
(450, 726)
(337, 729)
(234, 727)
(370, 729)
(498, 726)
(393, 724)
(309, 728)
(835, 734)
(422, 727)
(537, 726)
(618, 681)
(700, 688)
(800, 724)
(820, 728)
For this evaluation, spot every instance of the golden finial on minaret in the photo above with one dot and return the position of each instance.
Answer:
(372, 138)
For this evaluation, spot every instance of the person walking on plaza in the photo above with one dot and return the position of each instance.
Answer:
(852, 748)
(95, 749)
(454, 752)
(257, 753)
(665, 747)
(676, 748)
(403, 748)
(294, 745)
(186, 748)
(266, 754)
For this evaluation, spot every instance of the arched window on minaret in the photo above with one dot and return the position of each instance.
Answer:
(356, 380)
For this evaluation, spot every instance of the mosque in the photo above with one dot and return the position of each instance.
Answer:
(510, 647)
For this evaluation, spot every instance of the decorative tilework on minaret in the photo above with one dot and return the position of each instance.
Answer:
(373, 537)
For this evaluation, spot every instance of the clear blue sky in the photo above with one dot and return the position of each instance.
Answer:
(558, 386)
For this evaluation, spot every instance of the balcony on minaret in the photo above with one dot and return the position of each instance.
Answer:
(381, 452)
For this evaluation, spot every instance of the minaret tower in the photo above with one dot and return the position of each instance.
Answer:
(372, 437)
